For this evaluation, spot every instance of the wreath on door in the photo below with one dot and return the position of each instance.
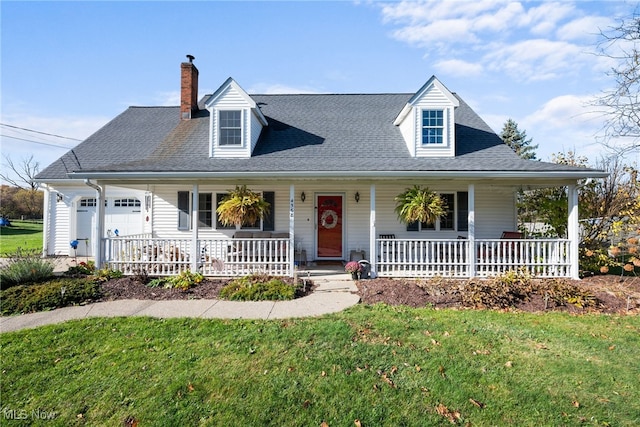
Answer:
(329, 219)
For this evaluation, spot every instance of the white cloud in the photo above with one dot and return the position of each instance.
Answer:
(586, 27)
(537, 59)
(565, 123)
(458, 67)
(528, 41)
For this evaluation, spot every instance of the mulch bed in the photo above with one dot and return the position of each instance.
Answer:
(128, 288)
(613, 294)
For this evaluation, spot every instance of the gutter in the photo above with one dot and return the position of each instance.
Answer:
(341, 174)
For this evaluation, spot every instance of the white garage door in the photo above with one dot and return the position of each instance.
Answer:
(123, 215)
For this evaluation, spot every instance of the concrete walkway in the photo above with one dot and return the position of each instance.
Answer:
(334, 292)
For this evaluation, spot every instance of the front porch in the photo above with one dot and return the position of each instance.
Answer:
(460, 258)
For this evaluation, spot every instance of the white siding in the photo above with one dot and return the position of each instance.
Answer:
(411, 127)
(495, 212)
(233, 99)
(435, 99)
(60, 238)
(408, 131)
(256, 128)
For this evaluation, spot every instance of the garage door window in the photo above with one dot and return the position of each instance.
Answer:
(126, 203)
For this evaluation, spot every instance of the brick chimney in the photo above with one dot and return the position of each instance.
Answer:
(188, 89)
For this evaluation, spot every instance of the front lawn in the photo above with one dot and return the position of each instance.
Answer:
(370, 366)
(25, 235)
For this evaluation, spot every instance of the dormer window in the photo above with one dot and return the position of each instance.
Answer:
(230, 127)
(432, 127)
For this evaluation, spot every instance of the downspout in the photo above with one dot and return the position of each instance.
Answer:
(97, 244)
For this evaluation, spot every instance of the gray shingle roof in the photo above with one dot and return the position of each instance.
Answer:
(310, 133)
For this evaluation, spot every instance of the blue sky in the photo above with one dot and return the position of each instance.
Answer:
(69, 67)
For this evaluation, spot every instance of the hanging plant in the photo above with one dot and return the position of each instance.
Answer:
(419, 205)
(242, 207)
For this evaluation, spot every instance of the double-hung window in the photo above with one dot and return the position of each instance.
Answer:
(230, 127)
(454, 218)
(205, 210)
(432, 127)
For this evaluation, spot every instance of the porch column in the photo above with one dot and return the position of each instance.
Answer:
(373, 248)
(195, 256)
(45, 223)
(292, 249)
(471, 233)
(573, 232)
(99, 224)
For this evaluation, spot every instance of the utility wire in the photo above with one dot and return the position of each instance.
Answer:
(35, 142)
(36, 131)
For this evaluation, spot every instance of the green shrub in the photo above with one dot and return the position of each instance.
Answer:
(185, 280)
(25, 267)
(562, 293)
(157, 282)
(82, 268)
(49, 295)
(502, 291)
(258, 288)
(105, 274)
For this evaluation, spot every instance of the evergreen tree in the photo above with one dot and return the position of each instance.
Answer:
(517, 140)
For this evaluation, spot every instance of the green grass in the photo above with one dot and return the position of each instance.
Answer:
(384, 366)
(26, 235)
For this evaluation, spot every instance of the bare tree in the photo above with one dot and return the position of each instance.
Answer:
(621, 105)
(25, 173)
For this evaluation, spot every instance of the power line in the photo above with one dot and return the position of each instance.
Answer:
(35, 142)
(36, 131)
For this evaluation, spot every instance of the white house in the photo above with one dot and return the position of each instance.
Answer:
(330, 165)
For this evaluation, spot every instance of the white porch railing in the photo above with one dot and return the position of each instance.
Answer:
(221, 257)
(489, 257)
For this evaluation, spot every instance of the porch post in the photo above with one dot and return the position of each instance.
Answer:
(573, 231)
(97, 245)
(471, 220)
(292, 249)
(195, 257)
(373, 249)
(45, 220)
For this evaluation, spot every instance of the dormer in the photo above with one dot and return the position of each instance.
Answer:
(235, 122)
(427, 121)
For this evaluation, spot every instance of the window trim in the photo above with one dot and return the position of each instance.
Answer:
(442, 128)
(240, 128)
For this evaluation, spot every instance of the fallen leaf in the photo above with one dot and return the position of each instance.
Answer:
(441, 370)
(323, 374)
(418, 368)
(306, 404)
(477, 403)
(453, 417)
(394, 369)
(190, 387)
(434, 342)
(446, 334)
(324, 424)
(509, 364)
(612, 347)
(357, 423)
(576, 403)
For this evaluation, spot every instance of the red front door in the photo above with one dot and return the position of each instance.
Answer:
(330, 226)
